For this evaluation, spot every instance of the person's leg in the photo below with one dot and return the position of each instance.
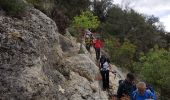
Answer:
(103, 79)
(88, 47)
(97, 53)
(107, 79)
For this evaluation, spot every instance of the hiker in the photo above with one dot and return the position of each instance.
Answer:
(88, 39)
(104, 68)
(141, 93)
(88, 43)
(126, 87)
(97, 46)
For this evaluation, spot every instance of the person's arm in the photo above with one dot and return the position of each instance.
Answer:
(110, 67)
(133, 96)
(153, 96)
(99, 64)
(101, 44)
(120, 91)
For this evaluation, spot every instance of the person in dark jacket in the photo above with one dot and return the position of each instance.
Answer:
(126, 87)
(105, 67)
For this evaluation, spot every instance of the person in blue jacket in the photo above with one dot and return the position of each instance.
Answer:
(142, 93)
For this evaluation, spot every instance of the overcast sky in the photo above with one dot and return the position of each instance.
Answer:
(159, 8)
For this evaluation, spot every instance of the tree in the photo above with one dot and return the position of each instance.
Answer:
(152, 19)
(72, 8)
(61, 11)
(100, 8)
(125, 55)
(121, 55)
(143, 31)
(85, 21)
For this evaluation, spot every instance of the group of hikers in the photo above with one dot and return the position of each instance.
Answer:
(92, 41)
(127, 89)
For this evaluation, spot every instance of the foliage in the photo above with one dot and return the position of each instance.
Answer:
(100, 8)
(64, 11)
(60, 19)
(13, 7)
(111, 46)
(61, 11)
(121, 55)
(154, 67)
(113, 22)
(45, 6)
(143, 31)
(73, 31)
(72, 8)
(85, 21)
(125, 55)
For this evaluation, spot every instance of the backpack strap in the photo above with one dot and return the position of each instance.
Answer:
(149, 94)
(134, 95)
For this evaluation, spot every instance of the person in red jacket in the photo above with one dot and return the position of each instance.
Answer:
(97, 46)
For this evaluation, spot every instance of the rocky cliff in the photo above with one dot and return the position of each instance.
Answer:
(36, 62)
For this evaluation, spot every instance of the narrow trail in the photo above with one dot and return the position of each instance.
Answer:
(114, 78)
(119, 72)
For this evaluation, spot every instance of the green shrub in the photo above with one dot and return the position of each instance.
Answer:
(73, 31)
(154, 68)
(125, 54)
(13, 7)
(121, 55)
(86, 20)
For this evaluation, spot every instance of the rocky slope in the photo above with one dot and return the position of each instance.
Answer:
(38, 63)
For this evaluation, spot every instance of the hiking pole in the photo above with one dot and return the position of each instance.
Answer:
(114, 72)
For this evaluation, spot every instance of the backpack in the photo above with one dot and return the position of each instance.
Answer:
(127, 88)
(102, 60)
(104, 63)
(121, 82)
(87, 40)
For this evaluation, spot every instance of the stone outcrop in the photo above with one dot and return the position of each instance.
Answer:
(29, 54)
(36, 62)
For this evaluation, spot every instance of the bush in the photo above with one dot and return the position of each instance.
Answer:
(13, 7)
(73, 31)
(154, 68)
(125, 54)
(121, 55)
(86, 20)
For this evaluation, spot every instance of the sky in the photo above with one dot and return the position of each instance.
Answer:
(158, 8)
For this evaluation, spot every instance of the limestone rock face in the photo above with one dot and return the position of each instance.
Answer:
(29, 53)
